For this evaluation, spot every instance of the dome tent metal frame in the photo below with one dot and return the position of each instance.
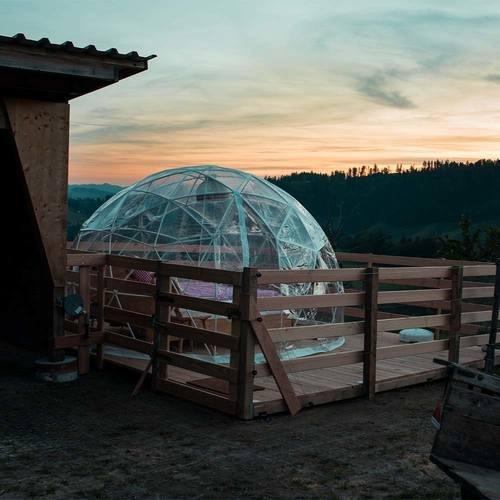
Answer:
(218, 217)
(209, 216)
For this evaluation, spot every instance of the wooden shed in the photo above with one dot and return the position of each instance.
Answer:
(37, 81)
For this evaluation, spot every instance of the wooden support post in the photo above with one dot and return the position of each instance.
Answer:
(100, 315)
(235, 332)
(370, 337)
(439, 311)
(275, 365)
(40, 131)
(83, 323)
(489, 360)
(272, 357)
(162, 315)
(157, 332)
(245, 361)
(455, 314)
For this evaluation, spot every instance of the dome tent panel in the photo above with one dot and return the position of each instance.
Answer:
(266, 190)
(271, 212)
(221, 210)
(91, 240)
(294, 232)
(104, 216)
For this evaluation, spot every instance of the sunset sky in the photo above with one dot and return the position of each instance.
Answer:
(276, 86)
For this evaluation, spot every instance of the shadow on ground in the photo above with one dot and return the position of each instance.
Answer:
(89, 439)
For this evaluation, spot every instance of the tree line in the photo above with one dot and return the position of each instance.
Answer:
(79, 210)
(443, 208)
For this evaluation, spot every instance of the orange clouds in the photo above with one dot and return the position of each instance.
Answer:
(385, 138)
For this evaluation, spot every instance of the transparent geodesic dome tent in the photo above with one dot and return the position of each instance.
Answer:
(214, 217)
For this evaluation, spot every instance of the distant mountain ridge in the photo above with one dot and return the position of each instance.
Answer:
(96, 191)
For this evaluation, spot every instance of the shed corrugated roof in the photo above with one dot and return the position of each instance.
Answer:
(69, 47)
(40, 69)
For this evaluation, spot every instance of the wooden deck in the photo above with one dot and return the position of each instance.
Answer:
(327, 385)
(335, 384)
(451, 298)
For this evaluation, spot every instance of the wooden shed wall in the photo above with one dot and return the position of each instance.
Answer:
(34, 152)
(26, 277)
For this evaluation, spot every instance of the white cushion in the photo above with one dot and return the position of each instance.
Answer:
(415, 335)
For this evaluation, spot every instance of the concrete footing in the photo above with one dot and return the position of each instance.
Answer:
(57, 371)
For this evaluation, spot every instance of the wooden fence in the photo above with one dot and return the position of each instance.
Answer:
(451, 292)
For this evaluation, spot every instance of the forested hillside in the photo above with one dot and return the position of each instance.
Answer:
(79, 210)
(83, 201)
(444, 208)
(77, 191)
(369, 209)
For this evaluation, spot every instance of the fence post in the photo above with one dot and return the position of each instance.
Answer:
(437, 333)
(83, 322)
(159, 367)
(489, 360)
(244, 359)
(100, 315)
(370, 337)
(235, 332)
(457, 273)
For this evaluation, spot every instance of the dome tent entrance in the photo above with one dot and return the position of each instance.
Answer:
(214, 217)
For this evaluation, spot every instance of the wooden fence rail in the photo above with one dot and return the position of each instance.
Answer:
(438, 285)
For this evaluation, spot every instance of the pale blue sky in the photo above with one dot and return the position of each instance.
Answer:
(278, 86)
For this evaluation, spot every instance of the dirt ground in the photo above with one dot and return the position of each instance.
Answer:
(89, 439)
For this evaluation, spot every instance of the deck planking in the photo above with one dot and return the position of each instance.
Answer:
(326, 385)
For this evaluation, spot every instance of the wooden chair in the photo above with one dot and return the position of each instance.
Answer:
(178, 317)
